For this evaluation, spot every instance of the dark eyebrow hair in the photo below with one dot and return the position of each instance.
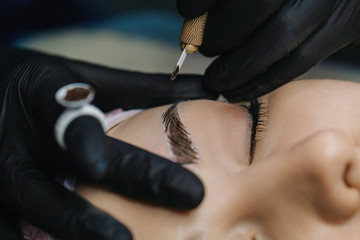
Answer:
(179, 139)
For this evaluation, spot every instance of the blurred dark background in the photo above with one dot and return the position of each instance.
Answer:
(21, 17)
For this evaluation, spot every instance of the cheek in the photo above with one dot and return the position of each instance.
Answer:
(216, 180)
(137, 216)
(285, 128)
(221, 193)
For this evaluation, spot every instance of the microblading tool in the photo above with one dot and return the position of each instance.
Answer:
(191, 38)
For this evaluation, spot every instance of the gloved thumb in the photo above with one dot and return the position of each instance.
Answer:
(85, 142)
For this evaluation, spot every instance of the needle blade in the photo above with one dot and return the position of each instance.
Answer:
(178, 65)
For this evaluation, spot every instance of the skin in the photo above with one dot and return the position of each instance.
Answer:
(304, 182)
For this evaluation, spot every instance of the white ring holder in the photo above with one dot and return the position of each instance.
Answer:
(76, 98)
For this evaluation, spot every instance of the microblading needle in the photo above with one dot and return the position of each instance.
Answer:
(191, 39)
(179, 64)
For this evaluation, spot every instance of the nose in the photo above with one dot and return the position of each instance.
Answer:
(328, 165)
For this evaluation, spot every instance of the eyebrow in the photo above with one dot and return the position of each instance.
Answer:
(178, 137)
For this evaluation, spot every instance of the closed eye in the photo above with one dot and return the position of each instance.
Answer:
(257, 111)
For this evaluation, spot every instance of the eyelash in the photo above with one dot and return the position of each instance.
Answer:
(257, 112)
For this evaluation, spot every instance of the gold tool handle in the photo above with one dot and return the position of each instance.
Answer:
(192, 33)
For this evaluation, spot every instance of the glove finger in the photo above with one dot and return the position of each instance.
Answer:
(85, 142)
(190, 9)
(135, 91)
(316, 48)
(128, 90)
(130, 170)
(227, 26)
(56, 210)
(84, 136)
(114, 88)
(274, 42)
(56, 74)
(148, 177)
(8, 228)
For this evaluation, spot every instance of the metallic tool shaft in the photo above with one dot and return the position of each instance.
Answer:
(191, 39)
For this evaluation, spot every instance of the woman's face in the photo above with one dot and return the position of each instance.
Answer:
(303, 181)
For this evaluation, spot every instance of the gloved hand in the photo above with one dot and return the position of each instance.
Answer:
(265, 44)
(30, 158)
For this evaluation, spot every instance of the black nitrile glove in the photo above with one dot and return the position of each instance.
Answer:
(265, 44)
(30, 158)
